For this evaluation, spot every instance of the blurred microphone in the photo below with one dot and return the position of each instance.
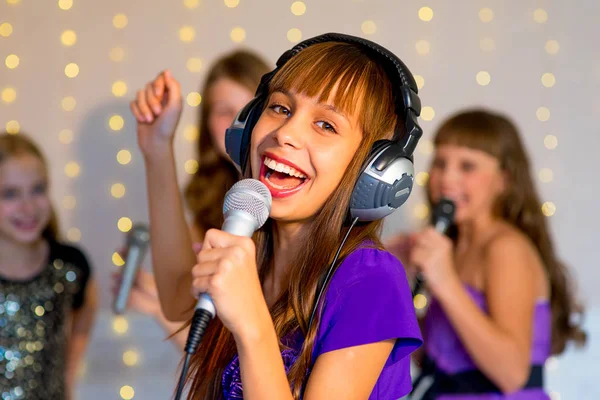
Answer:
(443, 218)
(138, 239)
(246, 208)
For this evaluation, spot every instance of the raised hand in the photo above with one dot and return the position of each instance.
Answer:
(157, 109)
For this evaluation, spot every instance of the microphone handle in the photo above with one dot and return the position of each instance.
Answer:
(441, 226)
(135, 254)
(419, 282)
(238, 223)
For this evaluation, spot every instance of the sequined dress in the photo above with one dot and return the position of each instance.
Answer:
(35, 316)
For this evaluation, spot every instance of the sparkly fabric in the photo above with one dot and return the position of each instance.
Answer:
(367, 301)
(232, 380)
(34, 323)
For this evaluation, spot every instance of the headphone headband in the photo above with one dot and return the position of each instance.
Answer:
(404, 86)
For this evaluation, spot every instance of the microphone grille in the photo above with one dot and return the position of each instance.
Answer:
(139, 234)
(444, 209)
(251, 196)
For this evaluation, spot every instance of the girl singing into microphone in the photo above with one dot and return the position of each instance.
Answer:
(502, 301)
(324, 110)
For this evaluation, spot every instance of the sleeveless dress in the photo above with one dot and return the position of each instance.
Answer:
(34, 316)
(455, 375)
(368, 300)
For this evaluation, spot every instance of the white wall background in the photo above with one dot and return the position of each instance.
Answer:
(508, 40)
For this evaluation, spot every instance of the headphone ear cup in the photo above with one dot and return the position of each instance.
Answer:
(384, 184)
(237, 136)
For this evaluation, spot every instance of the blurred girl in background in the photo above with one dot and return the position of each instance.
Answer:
(230, 84)
(502, 301)
(47, 297)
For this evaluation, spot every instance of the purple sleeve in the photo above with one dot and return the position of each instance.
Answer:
(368, 301)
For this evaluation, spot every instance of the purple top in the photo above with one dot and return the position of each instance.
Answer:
(368, 301)
(445, 348)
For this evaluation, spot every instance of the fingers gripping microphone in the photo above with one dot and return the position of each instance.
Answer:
(246, 208)
(137, 245)
(443, 218)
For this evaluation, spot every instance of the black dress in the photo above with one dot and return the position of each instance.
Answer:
(34, 326)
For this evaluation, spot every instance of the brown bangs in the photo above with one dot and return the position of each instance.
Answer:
(340, 65)
(477, 130)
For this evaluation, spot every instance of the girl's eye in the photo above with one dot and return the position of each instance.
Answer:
(326, 126)
(279, 109)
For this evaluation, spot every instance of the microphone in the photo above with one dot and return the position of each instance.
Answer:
(137, 245)
(443, 217)
(246, 208)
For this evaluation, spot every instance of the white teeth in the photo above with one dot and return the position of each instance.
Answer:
(286, 169)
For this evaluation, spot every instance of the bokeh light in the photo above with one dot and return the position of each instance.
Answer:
(120, 325)
(9, 95)
(483, 78)
(194, 99)
(187, 34)
(124, 224)
(65, 4)
(74, 235)
(117, 190)
(6, 29)
(542, 114)
(421, 211)
(12, 61)
(65, 136)
(194, 64)
(68, 38)
(72, 169)
(191, 166)
(116, 122)
(69, 202)
(127, 392)
(117, 260)
(422, 178)
(540, 16)
(190, 133)
(294, 35)
(130, 358)
(427, 113)
(550, 142)
(72, 70)
(117, 54)
(238, 34)
(68, 103)
(120, 21)
(423, 47)
(486, 14)
(298, 8)
(368, 27)
(548, 209)
(13, 127)
(548, 80)
(425, 14)
(124, 157)
(420, 301)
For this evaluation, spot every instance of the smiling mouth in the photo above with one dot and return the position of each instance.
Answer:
(26, 224)
(281, 179)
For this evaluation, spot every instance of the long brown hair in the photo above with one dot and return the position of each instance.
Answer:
(216, 174)
(364, 90)
(520, 206)
(20, 144)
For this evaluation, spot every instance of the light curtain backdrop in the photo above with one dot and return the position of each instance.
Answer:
(70, 67)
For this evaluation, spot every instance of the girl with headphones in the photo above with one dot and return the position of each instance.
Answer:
(330, 133)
